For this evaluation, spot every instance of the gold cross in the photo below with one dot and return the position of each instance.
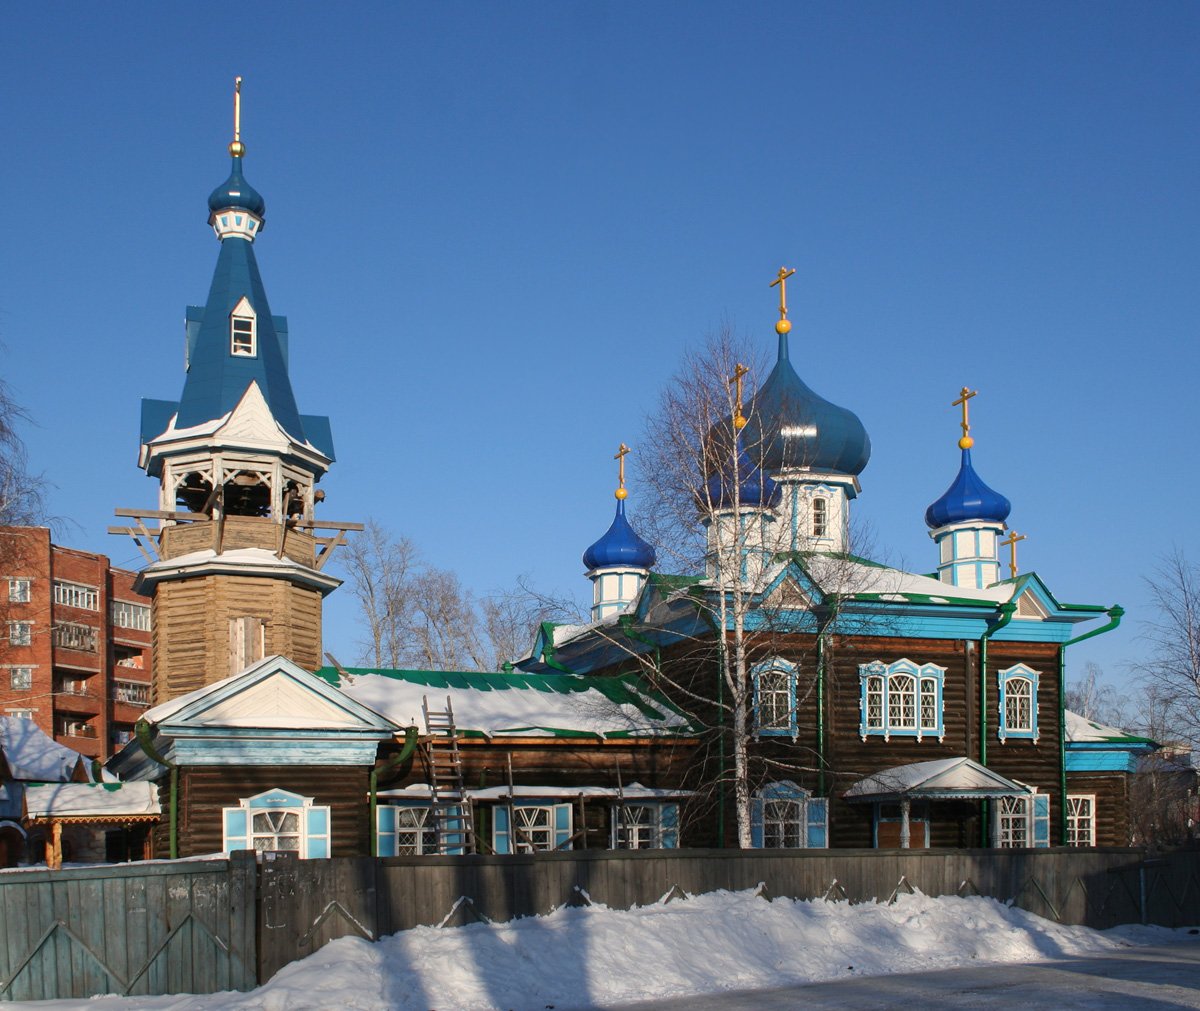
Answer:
(1011, 544)
(781, 280)
(966, 442)
(237, 148)
(739, 419)
(622, 452)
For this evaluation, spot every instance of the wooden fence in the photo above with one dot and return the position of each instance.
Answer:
(199, 927)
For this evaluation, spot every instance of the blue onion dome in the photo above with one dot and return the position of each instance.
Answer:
(755, 488)
(798, 428)
(236, 193)
(620, 547)
(967, 498)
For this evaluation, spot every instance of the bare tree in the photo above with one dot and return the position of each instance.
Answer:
(22, 494)
(415, 615)
(1094, 699)
(1171, 671)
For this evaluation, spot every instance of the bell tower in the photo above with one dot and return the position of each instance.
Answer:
(235, 553)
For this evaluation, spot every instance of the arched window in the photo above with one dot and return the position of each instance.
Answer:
(1018, 703)
(901, 698)
(775, 697)
(275, 821)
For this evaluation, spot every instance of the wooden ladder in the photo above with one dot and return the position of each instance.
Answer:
(449, 808)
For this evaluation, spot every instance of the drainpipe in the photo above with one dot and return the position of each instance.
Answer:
(548, 656)
(1007, 613)
(410, 745)
(1115, 614)
(143, 732)
(829, 619)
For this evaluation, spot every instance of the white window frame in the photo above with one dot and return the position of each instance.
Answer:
(243, 342)
(20, 589)
(819, 517)
(901, 699)
(1024, 679)
(641, 825)
(128, 614)
(77, 636)
(419, 835)
(773, 679)
(86, 598)
(20, 633)
(1014, 822)
(20, 714)
(22, 673)
(786, 816)
(131, 693)
(1081, 819)
(281, 803)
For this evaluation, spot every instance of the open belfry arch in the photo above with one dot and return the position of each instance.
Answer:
(235, 553)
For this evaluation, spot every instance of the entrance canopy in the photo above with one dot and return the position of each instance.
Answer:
(944, 779)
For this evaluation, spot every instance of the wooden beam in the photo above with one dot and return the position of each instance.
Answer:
(137, 539)
(329, 525)
(157, 514)
(326, 551)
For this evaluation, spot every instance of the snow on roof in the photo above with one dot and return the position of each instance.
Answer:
(235, 558)
(1081, 730)
(634, 791)
(944, 777)
(530, 705)
(91, 800)
(859, 577)
(32, 754)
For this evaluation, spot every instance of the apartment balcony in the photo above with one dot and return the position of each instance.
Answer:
(73, 698)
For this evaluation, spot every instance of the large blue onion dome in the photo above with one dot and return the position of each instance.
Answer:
(755, 488)
(967, 498)
(797, 428)
(235, 192)
(620, 547)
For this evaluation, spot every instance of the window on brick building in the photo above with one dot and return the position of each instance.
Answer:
(18, 590)
(69, 635)
(76, 595)
(20, 633)
(126, 614)
(21, 678)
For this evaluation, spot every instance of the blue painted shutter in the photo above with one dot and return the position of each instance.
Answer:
(1041, 819)
(669, 823)
(756, 822)
(818, 830)
(234, 829)
(501, 835)
(385, 830)
(562, 826)
(316, 827)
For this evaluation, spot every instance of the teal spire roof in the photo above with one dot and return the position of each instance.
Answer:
(216, 378)
(796, 427)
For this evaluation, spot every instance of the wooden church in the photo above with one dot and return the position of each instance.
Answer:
(879, 707)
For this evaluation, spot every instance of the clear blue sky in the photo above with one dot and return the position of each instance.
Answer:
(495, 227)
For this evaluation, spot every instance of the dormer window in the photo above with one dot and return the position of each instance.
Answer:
(243, 330)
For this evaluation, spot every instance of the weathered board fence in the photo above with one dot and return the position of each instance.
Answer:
(140, 928)
(200, 927)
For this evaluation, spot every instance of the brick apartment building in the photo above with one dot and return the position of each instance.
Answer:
(74, 642)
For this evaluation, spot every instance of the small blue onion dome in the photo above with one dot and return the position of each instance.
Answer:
(967, 498)
(620, 547)
(236, 192)
(755, 489)
(798, 428)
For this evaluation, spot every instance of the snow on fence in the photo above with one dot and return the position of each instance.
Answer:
(200, 927)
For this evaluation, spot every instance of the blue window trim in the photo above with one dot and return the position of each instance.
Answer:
(1003, 730)
(919, 673)
(773, 665)
(665, 825)
(315, 822)
(814, 814)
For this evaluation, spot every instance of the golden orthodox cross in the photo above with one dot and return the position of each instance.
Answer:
(622, 452)
(237, 148)
(966, 442)
(739, 419)
(781, 281)
(1011, 544)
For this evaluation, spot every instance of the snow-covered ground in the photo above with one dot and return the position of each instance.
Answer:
(592, 956)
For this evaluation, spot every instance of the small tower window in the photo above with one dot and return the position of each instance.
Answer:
(243, 332)
(820, 517)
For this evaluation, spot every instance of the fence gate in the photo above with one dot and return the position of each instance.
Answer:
(132, 929)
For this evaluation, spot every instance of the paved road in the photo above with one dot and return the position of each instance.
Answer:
(1166, 976)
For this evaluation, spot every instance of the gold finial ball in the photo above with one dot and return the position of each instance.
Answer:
(237, 149)
(783, 326)
(739, 422)
(621, 494)
(966, 442)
